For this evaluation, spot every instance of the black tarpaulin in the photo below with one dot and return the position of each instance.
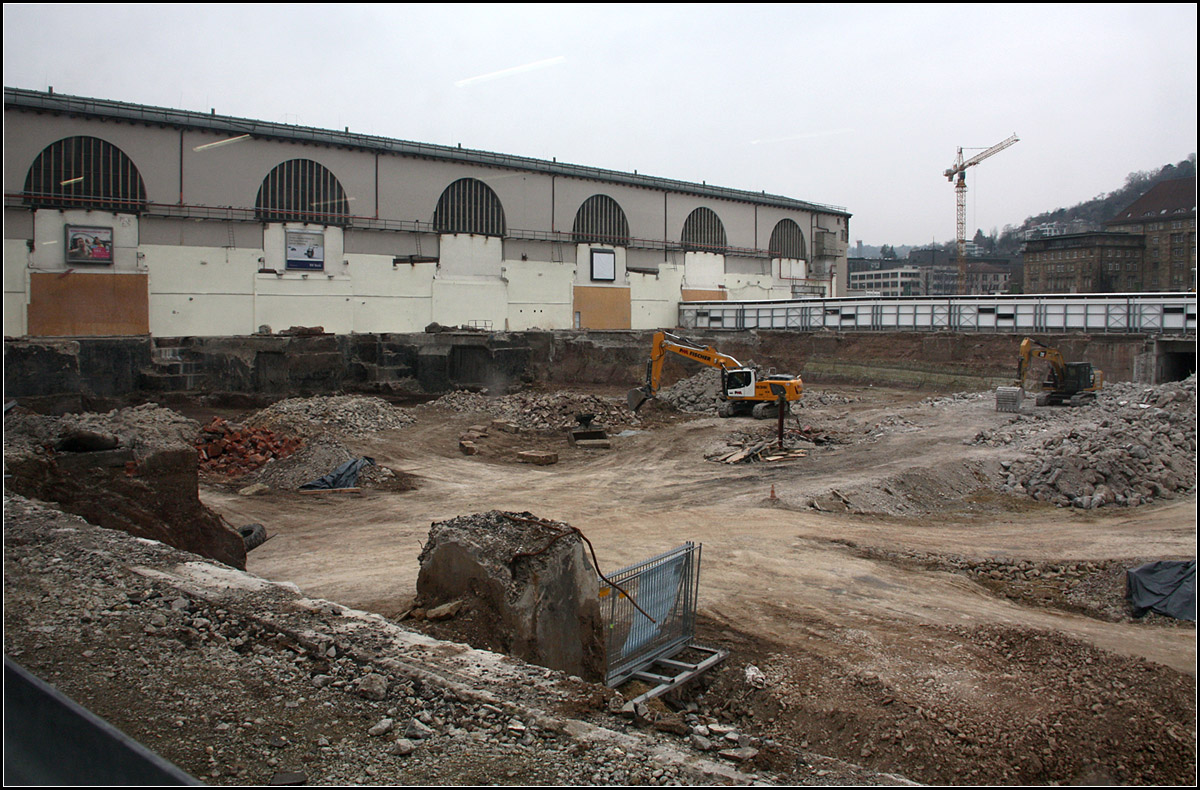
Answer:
(345, 476)
(1166, 587)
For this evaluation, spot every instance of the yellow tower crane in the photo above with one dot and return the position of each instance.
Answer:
(959, 171)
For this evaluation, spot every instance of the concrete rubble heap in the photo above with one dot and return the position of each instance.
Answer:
(538, 412)
(132, 469)
(528, 577)
(1134, 444)
(352, 416)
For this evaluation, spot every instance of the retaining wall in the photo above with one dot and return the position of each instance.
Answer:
(75, 373)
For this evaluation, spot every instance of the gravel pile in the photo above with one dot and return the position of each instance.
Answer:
(540, 412)
(137, 427)
(352, 416)
(696, 394)
(1134, 444)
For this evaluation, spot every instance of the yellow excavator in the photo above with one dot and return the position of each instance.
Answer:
(1073, 383)
(743, 390)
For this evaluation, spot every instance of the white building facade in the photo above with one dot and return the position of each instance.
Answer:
(122, 219)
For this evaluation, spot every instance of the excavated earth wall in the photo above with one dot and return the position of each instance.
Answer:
(71, 374)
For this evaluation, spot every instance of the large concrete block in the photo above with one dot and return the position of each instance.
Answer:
(530, 580)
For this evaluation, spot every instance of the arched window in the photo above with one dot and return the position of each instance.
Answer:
(600, 220)
(84, 172)
(469, 206)
(703, 231)
(787, 241)
(300, 190)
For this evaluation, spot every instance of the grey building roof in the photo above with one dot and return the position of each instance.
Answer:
(38, 101)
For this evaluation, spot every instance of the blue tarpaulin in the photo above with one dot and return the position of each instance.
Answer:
(1166, 587)
(345, 476)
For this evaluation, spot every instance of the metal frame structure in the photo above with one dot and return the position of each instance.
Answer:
(1142, 313)
(662, 623)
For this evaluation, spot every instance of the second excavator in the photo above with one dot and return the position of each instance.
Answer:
(743, 389)
(1072, 383)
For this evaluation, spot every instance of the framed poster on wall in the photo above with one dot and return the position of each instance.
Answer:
(305, 250)
(89, 245)
(604, 265)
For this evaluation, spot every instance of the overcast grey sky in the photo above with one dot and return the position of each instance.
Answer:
(859, 106)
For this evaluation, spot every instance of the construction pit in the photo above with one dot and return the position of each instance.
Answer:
(922, 589)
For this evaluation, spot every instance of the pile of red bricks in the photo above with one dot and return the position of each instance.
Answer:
(232, 450)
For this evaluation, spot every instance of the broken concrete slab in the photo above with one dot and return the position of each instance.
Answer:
(528, 580)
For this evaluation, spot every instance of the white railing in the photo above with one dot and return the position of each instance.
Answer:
(1153, 313)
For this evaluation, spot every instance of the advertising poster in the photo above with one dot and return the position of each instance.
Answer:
(89, 245)
(305, 250)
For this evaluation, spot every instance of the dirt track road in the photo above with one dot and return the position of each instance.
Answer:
(780, 579)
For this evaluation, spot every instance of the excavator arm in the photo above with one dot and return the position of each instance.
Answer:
(665, 342)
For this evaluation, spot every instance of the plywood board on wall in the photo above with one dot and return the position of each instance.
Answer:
(602, 308)
(75, 304)
(697, 295)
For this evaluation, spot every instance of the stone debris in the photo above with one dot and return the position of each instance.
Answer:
(351, 416)
(1136, 443)
(233, 450)
(540, 412)
(317, 458)
(139, 428)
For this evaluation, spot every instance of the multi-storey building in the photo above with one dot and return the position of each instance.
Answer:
(126, 219)
(1083, 263)
(1165, 219)
(899, 281)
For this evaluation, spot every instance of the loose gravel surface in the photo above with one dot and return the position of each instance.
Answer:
(240, 681)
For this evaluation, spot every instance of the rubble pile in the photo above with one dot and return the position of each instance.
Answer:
(317, 458)
(353, 416)
(137, 427)
(234, 450)
(131, 469)
(696, 394)
(541, 412)
(1134, 444)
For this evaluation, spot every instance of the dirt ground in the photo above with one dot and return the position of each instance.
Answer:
(876, 646)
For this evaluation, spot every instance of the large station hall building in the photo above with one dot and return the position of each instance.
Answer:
(122, 219)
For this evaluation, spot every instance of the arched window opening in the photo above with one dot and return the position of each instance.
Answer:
(84, 172)
(301, 190)
(469, 206)
(600, 220)
(787, 241)
(703, 231)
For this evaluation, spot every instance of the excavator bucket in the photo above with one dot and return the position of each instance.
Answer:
(635, 398)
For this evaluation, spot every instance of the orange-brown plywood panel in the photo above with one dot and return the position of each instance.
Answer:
(695, 295)
(73, 304)
(603, 308)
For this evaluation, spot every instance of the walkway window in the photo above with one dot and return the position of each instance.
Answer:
(301, 190)
(600, 220)
(703, 231)
(84, 172)
(469, 206)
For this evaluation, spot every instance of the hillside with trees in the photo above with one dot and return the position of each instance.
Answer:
(1092, 214)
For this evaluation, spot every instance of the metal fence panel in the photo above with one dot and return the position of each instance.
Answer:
(665, 588)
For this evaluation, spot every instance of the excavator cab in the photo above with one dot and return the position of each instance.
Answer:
(739, 383)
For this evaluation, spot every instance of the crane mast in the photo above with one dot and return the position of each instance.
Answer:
(958, 176)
